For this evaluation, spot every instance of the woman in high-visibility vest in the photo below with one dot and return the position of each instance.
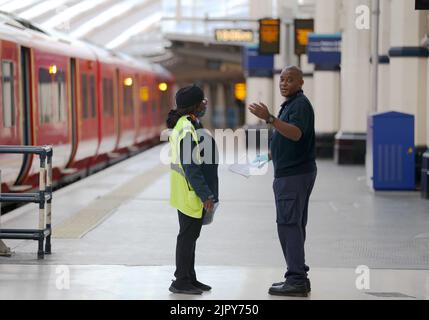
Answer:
(193, 183)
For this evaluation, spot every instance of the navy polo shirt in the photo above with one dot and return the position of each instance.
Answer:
(292, 158)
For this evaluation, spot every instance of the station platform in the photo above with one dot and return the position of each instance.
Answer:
(115, 237)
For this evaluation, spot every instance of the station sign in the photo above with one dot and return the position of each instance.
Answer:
(234, 35)
(257, 65)
(303, 27)
(324, 49)
(269, 36)
(422, 4)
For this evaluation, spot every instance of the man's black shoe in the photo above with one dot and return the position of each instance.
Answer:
(279, 284)
(186, 289)
(201, 286)
(289, 290)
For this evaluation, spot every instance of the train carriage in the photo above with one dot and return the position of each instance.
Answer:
(89, 103)
(10, 112)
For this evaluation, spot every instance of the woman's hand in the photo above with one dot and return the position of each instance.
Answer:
(209, 205)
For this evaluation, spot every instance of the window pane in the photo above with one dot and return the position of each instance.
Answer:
(8, 95)
(128, 99)
(111, 104)
(62, 96)
(92, 95)
(85, 96)
(108, 96)
(105, 98)
(52, 97)
(45, 96)
(62, 101)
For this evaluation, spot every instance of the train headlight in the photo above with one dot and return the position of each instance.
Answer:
(53, 69)
(128, 82)
(163, 87)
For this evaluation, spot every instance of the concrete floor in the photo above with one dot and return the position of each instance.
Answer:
(115, 237)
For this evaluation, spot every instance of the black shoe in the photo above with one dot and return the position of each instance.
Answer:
(280, 284)
(289, 290)
(185, 289)
(201, 286)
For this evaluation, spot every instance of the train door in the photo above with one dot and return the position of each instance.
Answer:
(73, 111)
(10, 124)
(87, 116)
(27, 114)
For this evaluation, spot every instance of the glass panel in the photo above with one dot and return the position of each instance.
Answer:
(52, 97)
(92, 95)
(8, 94)
(108, 96)
(128, 99)
(85, 96)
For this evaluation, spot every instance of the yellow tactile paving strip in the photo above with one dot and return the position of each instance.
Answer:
(90, 217)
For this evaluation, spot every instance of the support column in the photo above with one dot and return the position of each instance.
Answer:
(350, 142)
(425, 159)
(220, 107)
(408, 70)
(207, 123)
(259, 89)
(384, 60)
(326, 84)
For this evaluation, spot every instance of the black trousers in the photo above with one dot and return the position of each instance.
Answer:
(189, 233)
(292, 197)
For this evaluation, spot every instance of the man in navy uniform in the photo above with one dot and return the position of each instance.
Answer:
(293, 153)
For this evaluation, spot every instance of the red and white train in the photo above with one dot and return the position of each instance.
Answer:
(92, 105)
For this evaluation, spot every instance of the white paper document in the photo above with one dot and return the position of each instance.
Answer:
(254, 168)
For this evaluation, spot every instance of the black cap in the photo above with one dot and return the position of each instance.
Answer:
(189, 96)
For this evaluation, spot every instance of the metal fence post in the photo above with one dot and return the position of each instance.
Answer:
(4, 250)
(42, 188)
(44, 195)
(49, 203)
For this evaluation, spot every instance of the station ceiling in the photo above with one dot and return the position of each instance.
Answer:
(175, 33)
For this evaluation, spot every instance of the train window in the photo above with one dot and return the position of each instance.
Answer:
(92, 95)
(85, 96)
(164, 101)
(108, 96)
(128, 99)
(144, 108)
(62, 98)
(52, 96)
(8, 94)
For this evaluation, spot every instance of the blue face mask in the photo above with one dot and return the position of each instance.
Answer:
(201, 113)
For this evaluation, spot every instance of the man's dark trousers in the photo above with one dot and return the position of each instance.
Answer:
(292, 196)
(189, 233)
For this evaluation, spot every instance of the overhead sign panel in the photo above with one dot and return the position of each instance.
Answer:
(234, 35)
(257, 65)
(324, 49)
(303, 27)
(422, 4)
(269, 36)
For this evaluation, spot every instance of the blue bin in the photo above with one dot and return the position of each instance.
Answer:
(390, 158)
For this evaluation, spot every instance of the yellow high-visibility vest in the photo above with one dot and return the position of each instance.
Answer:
(182, 195)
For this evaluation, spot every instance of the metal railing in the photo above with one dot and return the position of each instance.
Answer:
(42, 197)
